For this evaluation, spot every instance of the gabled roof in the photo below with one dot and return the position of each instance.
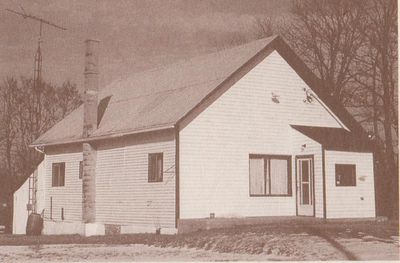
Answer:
(161, 98)
(336, 138)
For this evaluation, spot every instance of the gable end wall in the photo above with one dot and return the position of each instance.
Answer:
(215, 146)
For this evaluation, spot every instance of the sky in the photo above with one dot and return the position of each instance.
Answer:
(134, 35)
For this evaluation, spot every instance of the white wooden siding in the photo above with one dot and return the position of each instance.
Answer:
(41, 187)
(20, 213)
(123, 193)
(315, 149)
(21, 199)
(215, 146)
(68, 197)
(350, 201)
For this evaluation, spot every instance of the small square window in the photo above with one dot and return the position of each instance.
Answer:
(155, 172)
(58, 174)
(80, 169)
(345, 174)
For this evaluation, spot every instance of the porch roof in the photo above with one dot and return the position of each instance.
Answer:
(337, 139)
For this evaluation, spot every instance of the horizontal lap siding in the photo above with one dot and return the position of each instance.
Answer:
(20, 213)
(21, 199)
(344, 202)
(41, 187)
(215, 146)
(68, 197)
(124, 195)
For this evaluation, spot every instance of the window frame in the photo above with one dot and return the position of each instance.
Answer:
(80, 173)
(150, 170)
(354, 170)
(267, 159)
(61, 171)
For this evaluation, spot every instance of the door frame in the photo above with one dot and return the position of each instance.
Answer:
(305, 156)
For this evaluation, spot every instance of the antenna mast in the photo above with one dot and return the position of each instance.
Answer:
(37, 105)
(37, 72)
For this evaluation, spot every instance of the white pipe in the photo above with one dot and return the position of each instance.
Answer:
(37, 148)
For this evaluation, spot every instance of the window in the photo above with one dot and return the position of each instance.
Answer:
(270, 175)
(58, 174)
(80, 169)
(155, 167)
(345, 174)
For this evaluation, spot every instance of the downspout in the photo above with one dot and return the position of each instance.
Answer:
(177, 199)
(323, 181)
(375, 182)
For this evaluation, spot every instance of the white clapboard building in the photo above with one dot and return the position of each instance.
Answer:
(29, 198)
(243, 132)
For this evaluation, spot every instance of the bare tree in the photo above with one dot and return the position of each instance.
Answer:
(26, 114)
(324, 33)
(381, 33)
(8, 133)
(352, 47)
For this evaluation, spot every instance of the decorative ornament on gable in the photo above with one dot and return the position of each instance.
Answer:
(309, 96)
(274, 97)
(303, 147)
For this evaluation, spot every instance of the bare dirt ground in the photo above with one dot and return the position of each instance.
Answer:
(93, 253)
(333, 241)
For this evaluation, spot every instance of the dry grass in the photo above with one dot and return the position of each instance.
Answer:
(282, 240)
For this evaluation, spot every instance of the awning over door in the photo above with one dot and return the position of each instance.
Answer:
(337, 139)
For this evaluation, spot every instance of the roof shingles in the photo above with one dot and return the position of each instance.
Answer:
(159, 98)
(156, 98)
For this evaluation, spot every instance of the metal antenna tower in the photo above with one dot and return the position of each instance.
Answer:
(37, 75)
(37, 108)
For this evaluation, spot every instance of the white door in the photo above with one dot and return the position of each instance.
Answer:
(305, 186)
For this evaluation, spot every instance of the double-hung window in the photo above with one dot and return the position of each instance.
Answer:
(58, 174)
(155, 169)
(270, 175)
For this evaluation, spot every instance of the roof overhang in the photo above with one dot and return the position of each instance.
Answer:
(103, 137)
(336, 139)
(275, 43)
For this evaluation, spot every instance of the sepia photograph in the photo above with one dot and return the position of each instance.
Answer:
(199, 130)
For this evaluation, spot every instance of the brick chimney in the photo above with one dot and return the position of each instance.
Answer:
(90, 102)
